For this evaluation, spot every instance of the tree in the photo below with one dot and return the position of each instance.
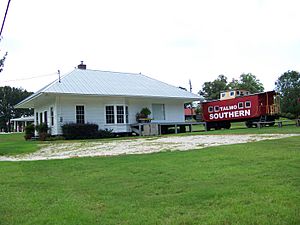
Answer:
(234, 84)
(9, 97)
(250, 83)
(288, 85)
(211, 90)
(2, 62)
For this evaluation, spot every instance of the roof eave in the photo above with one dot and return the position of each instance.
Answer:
(28, 102)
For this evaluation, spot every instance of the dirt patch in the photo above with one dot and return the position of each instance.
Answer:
(138, 146)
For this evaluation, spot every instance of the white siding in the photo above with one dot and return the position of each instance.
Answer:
(64, 108)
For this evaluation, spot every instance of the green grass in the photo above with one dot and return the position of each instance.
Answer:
(254, 183)
(13, 144)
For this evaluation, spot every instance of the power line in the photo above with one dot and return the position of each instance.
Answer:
(4, 18)
(29, 78)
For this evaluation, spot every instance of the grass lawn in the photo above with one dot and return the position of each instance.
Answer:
(254, 183)
(13, 144)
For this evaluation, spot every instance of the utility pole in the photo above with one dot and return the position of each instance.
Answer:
(4, 18)
(190, 83)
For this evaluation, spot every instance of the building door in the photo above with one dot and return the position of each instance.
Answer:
(158, 111)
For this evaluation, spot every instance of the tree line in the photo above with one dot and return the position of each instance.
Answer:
(9, 97)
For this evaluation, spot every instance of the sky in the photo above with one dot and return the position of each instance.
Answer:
(169, 40)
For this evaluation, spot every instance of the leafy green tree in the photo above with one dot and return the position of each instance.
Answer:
(211, 90)
(234, 84)
(249, 82)
(288, 85)
(9, 97)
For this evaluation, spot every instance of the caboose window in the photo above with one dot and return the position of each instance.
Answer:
(217, 108)
(210, 109)
(241, 105)
(247, 104)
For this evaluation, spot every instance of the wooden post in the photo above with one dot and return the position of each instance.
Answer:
(298, 122)
(140, 129)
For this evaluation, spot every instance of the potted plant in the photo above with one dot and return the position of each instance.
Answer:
(143, 115)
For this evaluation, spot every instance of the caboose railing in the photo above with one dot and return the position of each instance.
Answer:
(273, 109)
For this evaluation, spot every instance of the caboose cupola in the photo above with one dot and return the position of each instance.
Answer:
(229, 94)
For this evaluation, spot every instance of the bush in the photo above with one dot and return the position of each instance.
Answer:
(80, 131)
(105, 133)
(29, 131)
(288, 115)
(42, 130)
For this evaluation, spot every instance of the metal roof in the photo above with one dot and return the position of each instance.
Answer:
(107, 83)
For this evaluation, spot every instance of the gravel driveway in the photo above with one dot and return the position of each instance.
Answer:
(137, 146)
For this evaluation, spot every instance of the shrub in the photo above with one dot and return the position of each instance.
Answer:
(42, 130)
(106, 133)
(29, 131)
(288, 115)
(80, 131)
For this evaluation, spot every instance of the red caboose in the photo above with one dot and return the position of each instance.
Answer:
(239, 105)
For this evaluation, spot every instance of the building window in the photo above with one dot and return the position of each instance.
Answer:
(126, 114)
(158, 111)
(248, 104)
(217, 108)
(238, 93)
(45, 117)
(52, 116)
(116, 114)
(210, 109)
(232, 93)
(241, 105)
(110, 114)
(223, 95)
(120, 114)
(41, 117)
(37, 118)
(80, 114)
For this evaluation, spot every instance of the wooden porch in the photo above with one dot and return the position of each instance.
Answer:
(158, 128)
